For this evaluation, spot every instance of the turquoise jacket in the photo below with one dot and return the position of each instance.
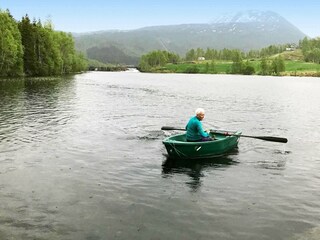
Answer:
(194, 129)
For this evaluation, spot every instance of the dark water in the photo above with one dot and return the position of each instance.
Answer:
(82, 158)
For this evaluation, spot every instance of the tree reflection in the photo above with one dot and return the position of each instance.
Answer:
(29, 106)
(194, 167)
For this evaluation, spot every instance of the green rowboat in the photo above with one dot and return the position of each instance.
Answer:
(178, 147)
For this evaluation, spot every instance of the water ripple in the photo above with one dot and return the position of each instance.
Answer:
(82, 157)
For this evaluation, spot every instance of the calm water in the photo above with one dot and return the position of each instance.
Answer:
(82, 158)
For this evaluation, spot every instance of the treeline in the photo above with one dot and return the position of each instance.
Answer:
(310, 49)
(35, 49)
(269, 58)
(231, 54)
(156, 60)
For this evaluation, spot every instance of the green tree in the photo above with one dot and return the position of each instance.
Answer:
(157, 59)
(71, 61)
(211, 54)
(264, 67)
(247, 69)
(305, 45)
(199, 53)
(213, 67)
(11, 50)
(313, 55)
(237, 65)
(48, 52)
(144, 65)
(28, 34)
(191, 55)
(79, 62)
(253, 54)
(67, 51)
(173, 58)
(277, 65)
(206, 70)
(51, 50)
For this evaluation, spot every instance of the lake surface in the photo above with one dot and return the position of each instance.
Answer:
(82, 158)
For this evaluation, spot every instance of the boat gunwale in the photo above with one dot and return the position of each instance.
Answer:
(167, 140)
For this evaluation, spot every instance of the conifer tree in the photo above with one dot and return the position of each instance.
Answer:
(28, 34)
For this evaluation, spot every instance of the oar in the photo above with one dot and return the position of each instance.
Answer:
(172, 128)
(265, 138)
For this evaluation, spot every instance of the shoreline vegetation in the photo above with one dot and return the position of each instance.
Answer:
(275, 60)
(292, 68)
(32, 49)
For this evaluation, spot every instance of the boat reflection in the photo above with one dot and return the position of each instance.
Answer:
(195, 168)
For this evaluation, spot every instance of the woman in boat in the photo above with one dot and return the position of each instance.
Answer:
(195, 132)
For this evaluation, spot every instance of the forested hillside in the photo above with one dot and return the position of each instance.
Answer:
(114, 55)
(35, 49)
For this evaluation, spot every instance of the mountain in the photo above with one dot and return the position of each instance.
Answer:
(245, 31)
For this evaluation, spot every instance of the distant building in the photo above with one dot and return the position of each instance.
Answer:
(292, 47)
(201, 58)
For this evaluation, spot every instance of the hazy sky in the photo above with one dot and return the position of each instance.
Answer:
(83, 16)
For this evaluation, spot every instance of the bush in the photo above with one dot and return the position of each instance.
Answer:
(192, 69)
(248, 70)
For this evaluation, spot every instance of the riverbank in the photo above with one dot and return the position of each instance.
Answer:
(292, 68)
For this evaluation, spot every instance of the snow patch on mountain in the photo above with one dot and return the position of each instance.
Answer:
(250, 16)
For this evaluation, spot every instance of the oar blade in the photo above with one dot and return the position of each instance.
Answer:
(273, 139)
(171, 128)
(268, 138)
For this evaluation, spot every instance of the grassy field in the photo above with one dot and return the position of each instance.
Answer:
(294, 66)
(301, 66)
(203, 67)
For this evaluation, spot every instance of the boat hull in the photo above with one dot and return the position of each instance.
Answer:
(178, 147)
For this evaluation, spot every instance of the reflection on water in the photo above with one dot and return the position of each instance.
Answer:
(31, 109)
(194, 168)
